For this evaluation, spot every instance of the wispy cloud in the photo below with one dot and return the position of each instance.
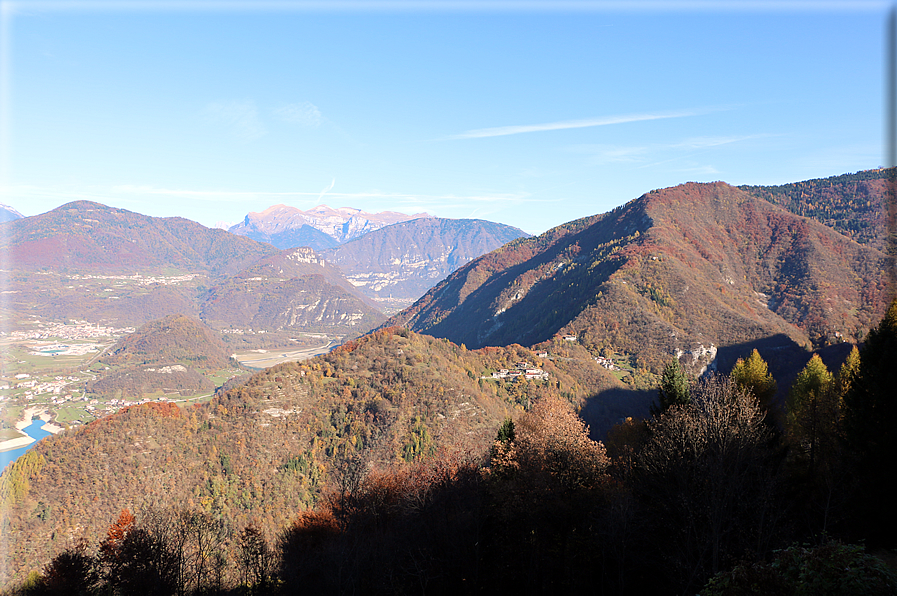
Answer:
(239, 118)
(611, 153)
(502, 131)
(326, 190)
(304, 114)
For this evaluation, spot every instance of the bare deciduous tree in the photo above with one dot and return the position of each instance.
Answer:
(707, 475)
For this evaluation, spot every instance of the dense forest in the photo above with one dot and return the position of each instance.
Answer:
(719, 491)
(852, 204)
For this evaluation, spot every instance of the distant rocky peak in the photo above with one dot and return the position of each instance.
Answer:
(7, 213)
(342, 224)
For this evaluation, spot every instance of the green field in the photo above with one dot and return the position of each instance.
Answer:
(69, 414)
(11, 414)
(220, 376)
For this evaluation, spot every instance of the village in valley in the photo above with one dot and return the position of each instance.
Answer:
(47, 367)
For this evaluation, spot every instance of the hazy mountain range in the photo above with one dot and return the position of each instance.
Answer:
(396, 264)
(234, 281)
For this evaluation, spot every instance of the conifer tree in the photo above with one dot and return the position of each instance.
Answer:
(812, 408)
(673, 389)
(848, 372)
(753, 375)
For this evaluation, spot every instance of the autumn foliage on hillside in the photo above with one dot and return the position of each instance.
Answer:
(705, 496)
(853, 204)
(171, 339)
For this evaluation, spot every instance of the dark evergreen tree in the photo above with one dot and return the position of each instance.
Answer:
(73, 572)
(812, 409)
(673, 389)
(870, 424)
(506, 431)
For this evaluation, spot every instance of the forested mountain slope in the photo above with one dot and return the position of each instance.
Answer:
(167, 355)
(853, 204)
(173, 339)
(263, 451)
(679, 269)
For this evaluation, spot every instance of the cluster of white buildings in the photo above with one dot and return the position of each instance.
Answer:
(76, 330)
(521, 369)
(165, 280)
(607, 363)
(47, 389)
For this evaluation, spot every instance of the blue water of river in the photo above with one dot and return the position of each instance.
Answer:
(34, 431)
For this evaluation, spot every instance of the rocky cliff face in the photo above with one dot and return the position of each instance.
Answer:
(397, 264)
(293, 290)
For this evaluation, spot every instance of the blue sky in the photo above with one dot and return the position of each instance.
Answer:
(518, 112)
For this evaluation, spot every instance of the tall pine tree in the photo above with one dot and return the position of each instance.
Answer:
(753, 375)
(674, 388)
(812, 409)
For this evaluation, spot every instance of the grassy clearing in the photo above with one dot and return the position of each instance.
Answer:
(193, 399)
(619, 374)
(220, 376)
(12, 414)
(69, 414)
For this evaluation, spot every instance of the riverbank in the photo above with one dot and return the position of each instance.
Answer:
(27, 416)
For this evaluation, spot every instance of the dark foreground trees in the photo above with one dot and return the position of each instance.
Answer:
(708, 480)
(870, 427)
